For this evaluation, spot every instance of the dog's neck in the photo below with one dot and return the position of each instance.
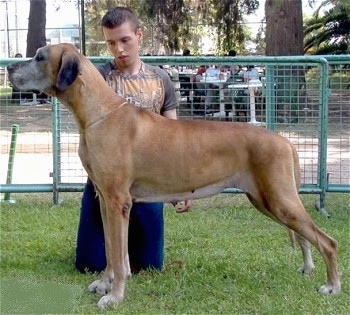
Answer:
(102, 118)
(102, 101)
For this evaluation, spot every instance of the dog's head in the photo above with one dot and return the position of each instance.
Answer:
(53, 69)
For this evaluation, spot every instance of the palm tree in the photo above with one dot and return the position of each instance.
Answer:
(330, 33)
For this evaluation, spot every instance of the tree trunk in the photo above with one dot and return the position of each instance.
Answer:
(284, 27)
(284, 37)
(36, 37)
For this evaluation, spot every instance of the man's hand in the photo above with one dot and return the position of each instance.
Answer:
(184, 206)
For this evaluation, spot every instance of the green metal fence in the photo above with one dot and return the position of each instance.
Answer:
(306, 99)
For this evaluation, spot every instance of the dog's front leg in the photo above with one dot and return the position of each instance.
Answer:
(104, 285)
(117, 217)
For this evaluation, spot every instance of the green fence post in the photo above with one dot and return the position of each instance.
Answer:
(12, 152)
(270, 91)
(323, 135)
(56, 142)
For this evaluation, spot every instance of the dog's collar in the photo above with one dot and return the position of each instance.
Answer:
(101, 118)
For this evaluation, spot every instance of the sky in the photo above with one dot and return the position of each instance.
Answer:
(14, 15)
(67, 13)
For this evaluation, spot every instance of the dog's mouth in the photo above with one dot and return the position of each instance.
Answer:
(16, 82)
(19, 83)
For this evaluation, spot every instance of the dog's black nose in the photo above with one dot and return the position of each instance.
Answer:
(11, 67)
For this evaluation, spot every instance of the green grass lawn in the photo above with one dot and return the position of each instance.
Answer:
(233, 260)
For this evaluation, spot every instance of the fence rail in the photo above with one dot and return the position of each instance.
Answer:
(304, 98)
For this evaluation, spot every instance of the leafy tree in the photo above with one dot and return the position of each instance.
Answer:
(260, 44)
(172, 25)
(229, 18)
(171, 19)
(94, 11)
(330, 33)
(36, 37)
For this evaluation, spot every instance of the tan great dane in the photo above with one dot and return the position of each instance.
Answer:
(135, 155)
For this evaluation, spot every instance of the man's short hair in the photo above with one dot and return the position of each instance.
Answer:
(118, 16)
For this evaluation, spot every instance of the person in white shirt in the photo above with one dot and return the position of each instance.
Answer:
(251, 74)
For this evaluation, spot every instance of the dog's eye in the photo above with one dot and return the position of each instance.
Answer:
(40, 56)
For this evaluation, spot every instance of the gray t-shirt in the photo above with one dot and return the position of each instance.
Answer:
(151, 88)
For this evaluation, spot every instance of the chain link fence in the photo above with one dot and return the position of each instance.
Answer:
(305, 99)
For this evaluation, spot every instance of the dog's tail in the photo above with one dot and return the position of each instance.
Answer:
(297, 179)
(296, 164)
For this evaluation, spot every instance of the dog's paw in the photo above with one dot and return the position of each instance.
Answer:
(109, 300)
(306, 269)
(100, 287)
(329, 289)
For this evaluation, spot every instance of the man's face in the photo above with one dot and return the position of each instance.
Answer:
(123, 43)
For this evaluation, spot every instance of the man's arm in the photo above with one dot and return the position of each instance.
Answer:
(171, 114)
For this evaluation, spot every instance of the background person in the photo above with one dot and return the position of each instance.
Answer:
(211, 89)
(251, 74)
(150, 88)
(198, 86)
(186, 52)
(185, 79)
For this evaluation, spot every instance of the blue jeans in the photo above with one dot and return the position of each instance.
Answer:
(146, 235)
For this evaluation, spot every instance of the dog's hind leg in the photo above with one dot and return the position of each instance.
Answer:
(286, 208)
(308, 264)
(327, 246)
(258, 205)
(292, 238)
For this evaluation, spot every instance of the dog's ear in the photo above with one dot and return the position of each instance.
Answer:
(68, 72)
